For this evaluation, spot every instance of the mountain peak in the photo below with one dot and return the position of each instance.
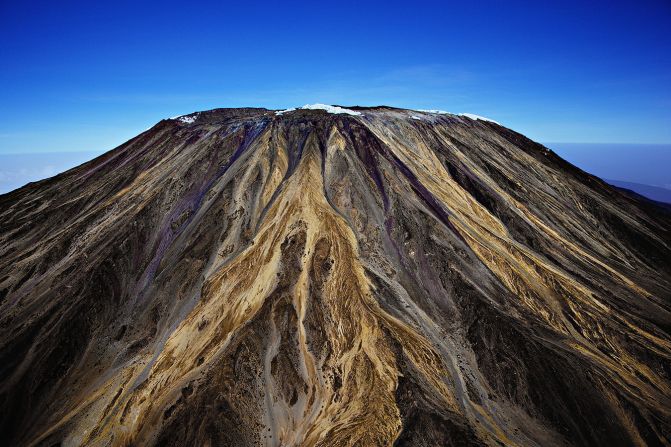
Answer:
(332, 275)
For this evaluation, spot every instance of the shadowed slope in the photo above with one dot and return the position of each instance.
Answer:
(247, 278)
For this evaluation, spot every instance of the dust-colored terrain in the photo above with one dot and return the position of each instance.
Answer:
(240, 277)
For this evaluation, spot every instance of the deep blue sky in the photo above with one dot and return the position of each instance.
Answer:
(78, 76)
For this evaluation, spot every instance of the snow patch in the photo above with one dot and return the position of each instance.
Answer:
(415, 117)
(280, 112)
(330, 109)
(478, 117)
(467, 115)
(186, 119)
(325, 107)
(440, 112)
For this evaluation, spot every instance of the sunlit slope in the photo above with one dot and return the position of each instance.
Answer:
(365, 277)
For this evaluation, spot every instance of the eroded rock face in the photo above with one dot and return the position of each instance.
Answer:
(241, 277)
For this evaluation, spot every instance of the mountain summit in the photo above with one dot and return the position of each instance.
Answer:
(333, 276)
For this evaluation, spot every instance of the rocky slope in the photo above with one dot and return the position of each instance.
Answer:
(375, 277)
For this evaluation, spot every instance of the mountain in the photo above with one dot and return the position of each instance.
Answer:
(330, 276)
(656, 193)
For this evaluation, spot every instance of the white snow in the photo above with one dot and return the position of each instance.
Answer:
(187, 119)
(467, 115)
(441, 112)
(478, 117)
(279, 112)
(326, 107)
(415, 117)
(330, 109)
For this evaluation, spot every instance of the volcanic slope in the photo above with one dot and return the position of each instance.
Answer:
(373, 276)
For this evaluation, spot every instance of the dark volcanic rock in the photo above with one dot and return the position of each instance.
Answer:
(392, 277)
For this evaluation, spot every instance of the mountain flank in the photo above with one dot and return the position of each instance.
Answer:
(333, 276)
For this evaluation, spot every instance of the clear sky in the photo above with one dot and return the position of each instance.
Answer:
(79, 76)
